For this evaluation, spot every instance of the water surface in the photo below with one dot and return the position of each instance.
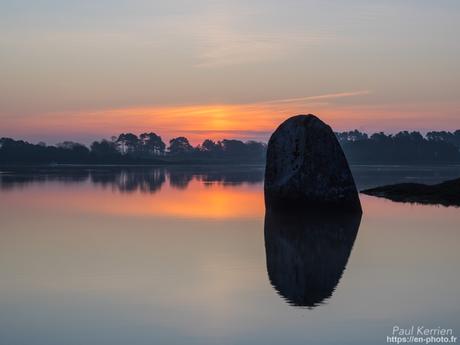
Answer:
(176, 255)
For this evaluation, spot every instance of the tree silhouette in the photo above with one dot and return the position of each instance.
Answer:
(151, 144)
(180, 146)
(128, 143)
(379, 148)
(211, 146)
(402, 148)
(104, 148)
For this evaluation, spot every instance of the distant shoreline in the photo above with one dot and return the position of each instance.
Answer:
(140, 165)
(403, 148)
(228, 165)
(213, 163)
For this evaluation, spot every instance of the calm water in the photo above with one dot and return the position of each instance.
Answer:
(179, 256)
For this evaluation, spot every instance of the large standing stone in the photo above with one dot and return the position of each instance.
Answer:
(306, 167)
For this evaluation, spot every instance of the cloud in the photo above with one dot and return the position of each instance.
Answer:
(225, 46)
(224, 36)
(320, 97)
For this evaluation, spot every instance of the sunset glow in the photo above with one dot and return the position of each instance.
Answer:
(229, 69)
(201, 201)
(229, 172)
(219, 121)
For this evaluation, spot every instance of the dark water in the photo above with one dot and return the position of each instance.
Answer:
(180, 256)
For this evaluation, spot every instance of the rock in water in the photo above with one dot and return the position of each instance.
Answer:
(306, 167)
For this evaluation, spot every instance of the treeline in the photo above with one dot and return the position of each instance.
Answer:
(129, 148)
(401, 148)
(360, 148)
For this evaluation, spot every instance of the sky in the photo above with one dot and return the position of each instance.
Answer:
(84, 70)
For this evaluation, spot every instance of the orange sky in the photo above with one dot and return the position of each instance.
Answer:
(85, 70)
(250, 121)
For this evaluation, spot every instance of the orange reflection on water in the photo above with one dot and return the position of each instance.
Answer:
(199, 200)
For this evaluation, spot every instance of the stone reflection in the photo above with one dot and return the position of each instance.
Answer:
(307, 253)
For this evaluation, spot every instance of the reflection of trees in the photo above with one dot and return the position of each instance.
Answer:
(233, 177)
(180, 179)
(226, 175)
(22, 177)
(130, 179)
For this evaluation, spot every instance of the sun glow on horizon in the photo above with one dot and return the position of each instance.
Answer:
(245, 121)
